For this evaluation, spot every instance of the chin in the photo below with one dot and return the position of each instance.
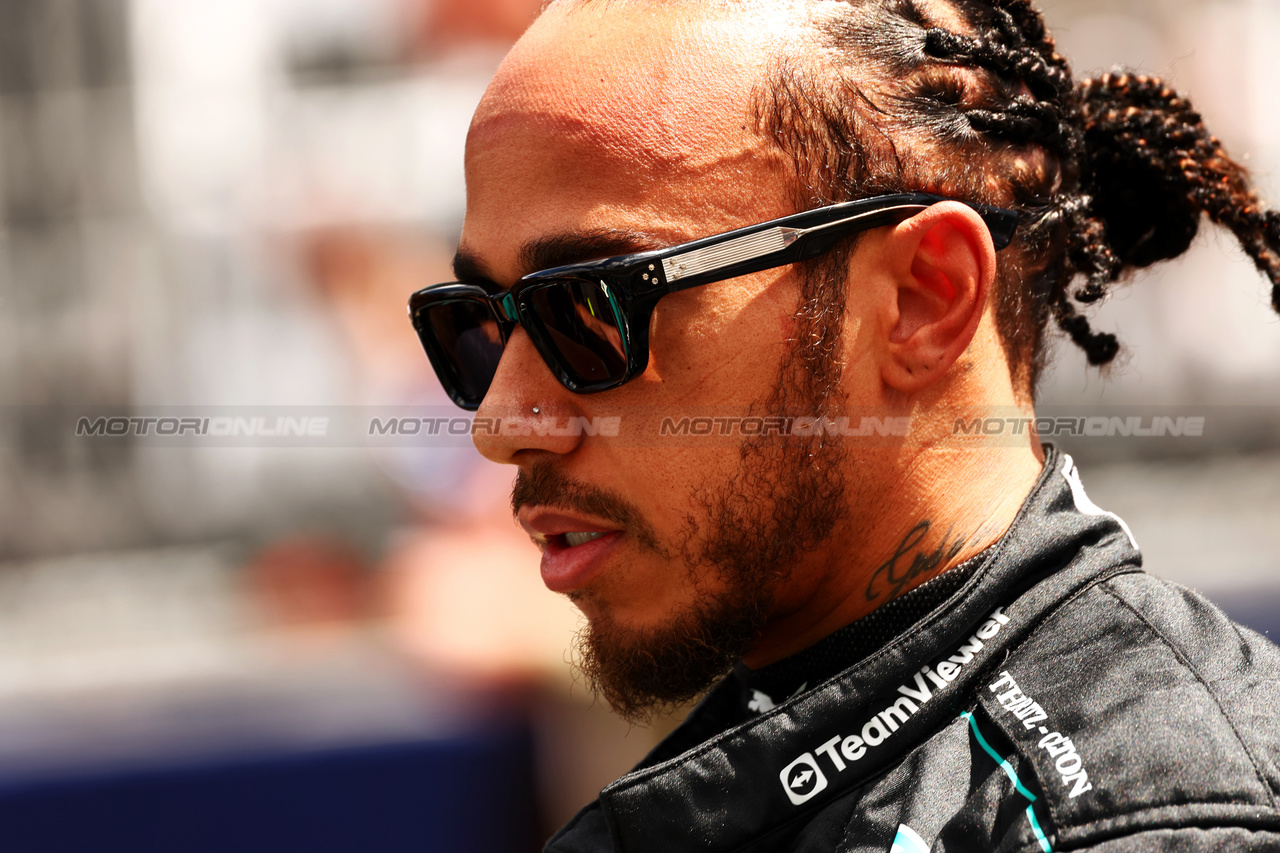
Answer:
(585, 603)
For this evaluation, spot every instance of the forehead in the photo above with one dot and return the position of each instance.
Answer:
(633, 78)
(623, 106)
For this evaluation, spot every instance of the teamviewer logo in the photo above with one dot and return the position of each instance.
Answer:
(802, 779)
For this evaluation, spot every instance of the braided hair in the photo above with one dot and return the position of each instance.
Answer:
(970, 99)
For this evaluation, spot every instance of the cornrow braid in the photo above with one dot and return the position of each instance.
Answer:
(1024, 62)
(1111, 175)
(1025, 122)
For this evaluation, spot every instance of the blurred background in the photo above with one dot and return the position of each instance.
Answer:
(217, 208)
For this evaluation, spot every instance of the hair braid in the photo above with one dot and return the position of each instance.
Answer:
(1020, 63)
(1156, 169)
(1065, 101)
(1272, 236)
(1111, 175)
(1099, 347)
(1025, 121)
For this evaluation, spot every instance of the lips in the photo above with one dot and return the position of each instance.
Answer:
(573, 547)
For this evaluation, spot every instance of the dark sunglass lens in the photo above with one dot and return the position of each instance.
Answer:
(464, 343)
(580, 325)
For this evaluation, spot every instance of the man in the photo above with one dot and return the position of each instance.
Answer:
(934, 641)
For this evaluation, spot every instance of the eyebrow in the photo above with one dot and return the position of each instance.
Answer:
(557, 250)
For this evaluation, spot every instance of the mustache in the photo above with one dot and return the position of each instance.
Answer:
(542, 484)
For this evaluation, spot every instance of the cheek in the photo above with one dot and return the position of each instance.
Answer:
(672, 488)
(727, 338)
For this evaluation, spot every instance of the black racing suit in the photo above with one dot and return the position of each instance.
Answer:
(1058, 698)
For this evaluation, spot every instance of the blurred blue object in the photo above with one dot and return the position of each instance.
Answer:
(1261, 613)
(471, 792)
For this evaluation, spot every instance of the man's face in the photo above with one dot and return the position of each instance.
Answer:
(603, 134)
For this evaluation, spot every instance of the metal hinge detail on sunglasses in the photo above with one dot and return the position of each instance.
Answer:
(728, 253)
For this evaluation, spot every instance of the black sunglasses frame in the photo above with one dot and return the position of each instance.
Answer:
(633, 284)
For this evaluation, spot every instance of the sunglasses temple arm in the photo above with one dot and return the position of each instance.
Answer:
(1001, 223)
(777, 246)
(769, 248)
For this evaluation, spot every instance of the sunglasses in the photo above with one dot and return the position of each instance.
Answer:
(590, 321)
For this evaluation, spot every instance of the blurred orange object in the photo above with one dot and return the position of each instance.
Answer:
(448, 24)
(310, 581)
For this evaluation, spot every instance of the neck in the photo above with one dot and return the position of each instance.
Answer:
(947, 505)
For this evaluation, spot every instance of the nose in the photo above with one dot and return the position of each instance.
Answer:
(506, 429)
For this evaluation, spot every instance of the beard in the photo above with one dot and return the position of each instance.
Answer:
(784, 500)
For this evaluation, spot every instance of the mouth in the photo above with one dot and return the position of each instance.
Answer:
(571, 539)
(573, 547)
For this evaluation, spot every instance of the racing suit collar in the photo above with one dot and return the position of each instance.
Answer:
(706, 787)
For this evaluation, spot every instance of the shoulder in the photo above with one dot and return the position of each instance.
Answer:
(1139, 706)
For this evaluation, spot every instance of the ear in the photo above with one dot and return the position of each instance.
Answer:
(943, 267)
